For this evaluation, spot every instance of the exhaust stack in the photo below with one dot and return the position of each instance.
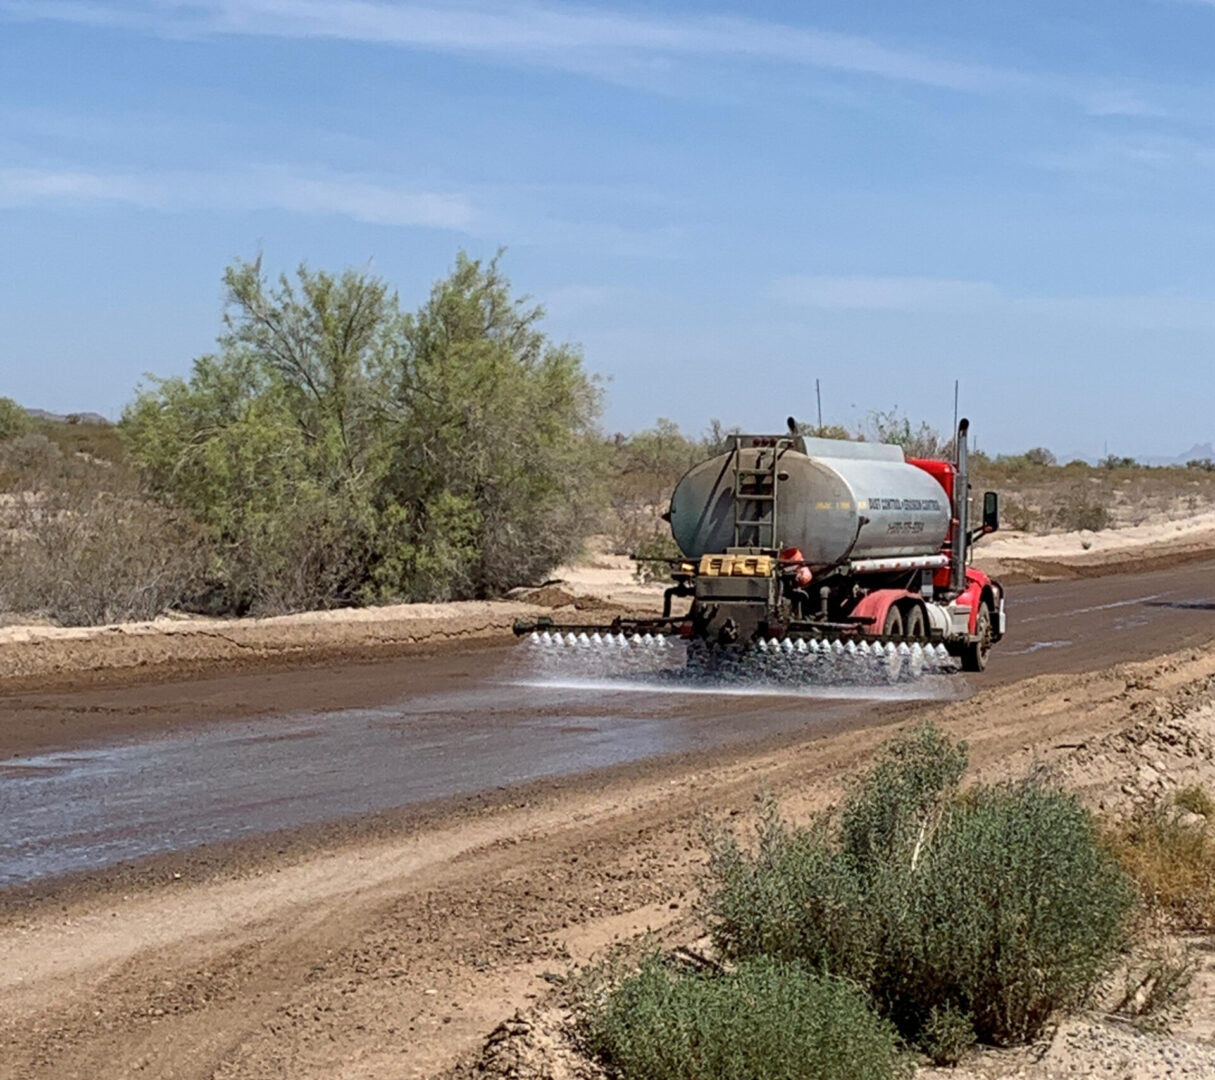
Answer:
(961, 509)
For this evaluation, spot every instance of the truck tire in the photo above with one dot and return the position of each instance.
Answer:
(974, 656)
(916, 626)
(893, 626)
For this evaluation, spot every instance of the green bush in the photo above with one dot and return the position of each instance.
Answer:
(948, 1033)
(1017, 912)
(14, 420)
(1019, 515)
(339, 451)
(884, 821)
(997, 906)
(764, 1019)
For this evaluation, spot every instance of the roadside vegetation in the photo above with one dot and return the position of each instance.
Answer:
(1169, 850)
(338, 449)
(950, 916)
(335, 450)
(764, 1017)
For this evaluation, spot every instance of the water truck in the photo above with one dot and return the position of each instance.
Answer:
(816, 553)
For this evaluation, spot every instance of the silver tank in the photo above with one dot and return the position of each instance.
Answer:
(821, 497)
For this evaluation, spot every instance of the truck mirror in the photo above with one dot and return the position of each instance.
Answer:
(991, 512)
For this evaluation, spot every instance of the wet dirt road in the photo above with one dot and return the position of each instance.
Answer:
(95, 776)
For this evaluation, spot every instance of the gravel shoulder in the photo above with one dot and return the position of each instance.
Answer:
(398, 955)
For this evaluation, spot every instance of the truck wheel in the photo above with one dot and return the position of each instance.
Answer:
(893, 626)
(915, 626)
(974, 657)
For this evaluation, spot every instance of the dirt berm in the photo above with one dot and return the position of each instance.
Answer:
(29, 652)
(601, 586)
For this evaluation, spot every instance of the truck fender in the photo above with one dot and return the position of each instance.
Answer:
(875, 606)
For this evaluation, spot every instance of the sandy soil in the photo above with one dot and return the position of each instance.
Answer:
(1021, 556)
(398, 956)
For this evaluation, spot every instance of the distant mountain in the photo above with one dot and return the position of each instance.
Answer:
(1197, 452)
(68, 418)
(1078, 455)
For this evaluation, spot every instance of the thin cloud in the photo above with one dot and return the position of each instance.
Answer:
(257, 189)
(1144, 157)
(638, 50)
(884, 293)
(564, 37)
(949, 295)
(569, 301)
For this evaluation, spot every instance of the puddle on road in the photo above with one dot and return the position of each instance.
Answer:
(91, 808)
(1036, 646)
(928, 688)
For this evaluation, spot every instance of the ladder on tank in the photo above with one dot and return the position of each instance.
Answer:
(755, 515)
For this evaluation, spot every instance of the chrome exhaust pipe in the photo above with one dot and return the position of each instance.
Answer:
(961, 509)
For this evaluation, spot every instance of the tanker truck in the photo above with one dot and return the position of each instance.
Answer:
(824, 549)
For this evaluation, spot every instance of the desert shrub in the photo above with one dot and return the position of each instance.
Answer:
(885, 820)
(1019, 515)
(797, 898)
(14, 420)
(1016, 913)
(948, 1033)
(998, 905)
(763, 1019)
(1195, 799)
(653, 557)
(32, 463)
(89, 557)
(1173, 864)
(643, 470)
(1040, 455)
(79, 544)
(917, 441)
(1079, 511)
(337, 451)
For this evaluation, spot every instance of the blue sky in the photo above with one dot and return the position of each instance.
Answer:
(720, 202)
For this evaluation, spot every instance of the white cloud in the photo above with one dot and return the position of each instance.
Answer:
(342, 195)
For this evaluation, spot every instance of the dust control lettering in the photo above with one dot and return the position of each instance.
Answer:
(905, 528)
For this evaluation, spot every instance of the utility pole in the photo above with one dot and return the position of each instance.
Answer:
(818, 393)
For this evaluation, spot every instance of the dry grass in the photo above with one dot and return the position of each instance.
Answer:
(79, 544)
(1171, 856)
(1156, 986)
(1065, 498)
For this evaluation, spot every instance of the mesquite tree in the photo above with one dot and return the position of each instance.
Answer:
(337, 450)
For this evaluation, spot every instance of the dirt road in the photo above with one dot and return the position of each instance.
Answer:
(392, 951)
(94, 777)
